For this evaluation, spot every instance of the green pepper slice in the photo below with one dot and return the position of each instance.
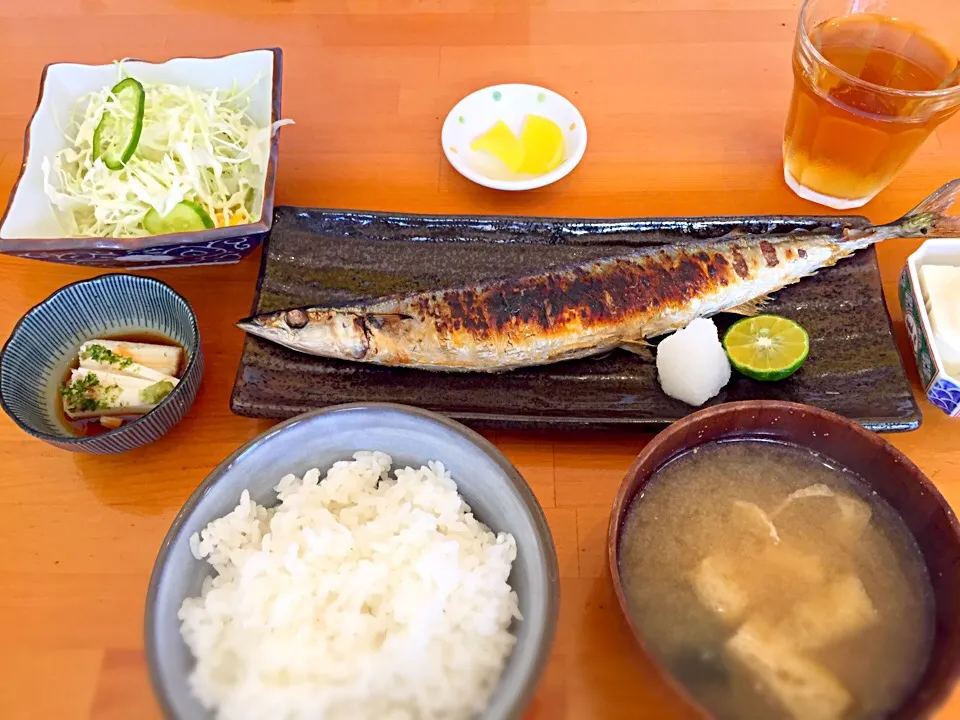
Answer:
(117, 135)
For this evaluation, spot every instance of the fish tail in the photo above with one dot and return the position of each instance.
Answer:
(930, 217)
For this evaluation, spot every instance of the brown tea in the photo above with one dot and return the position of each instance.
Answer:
(848, 132)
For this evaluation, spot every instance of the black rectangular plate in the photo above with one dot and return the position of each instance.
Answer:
(328, 257)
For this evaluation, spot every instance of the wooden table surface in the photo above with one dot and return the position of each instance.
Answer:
(685, 102)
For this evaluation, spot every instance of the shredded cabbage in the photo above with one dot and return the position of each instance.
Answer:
(195, 145)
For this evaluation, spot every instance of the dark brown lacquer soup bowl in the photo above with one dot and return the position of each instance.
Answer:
(884, 468)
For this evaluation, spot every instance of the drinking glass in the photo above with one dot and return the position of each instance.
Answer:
(872, 80)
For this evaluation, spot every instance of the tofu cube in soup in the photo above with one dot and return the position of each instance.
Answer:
(806, 689)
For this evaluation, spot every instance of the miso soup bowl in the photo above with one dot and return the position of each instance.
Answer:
(888, 471)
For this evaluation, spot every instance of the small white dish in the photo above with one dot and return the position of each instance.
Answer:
(479, 111)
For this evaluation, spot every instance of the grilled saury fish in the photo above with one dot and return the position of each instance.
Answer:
(586, 309)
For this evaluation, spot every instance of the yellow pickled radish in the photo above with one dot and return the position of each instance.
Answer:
(500, 142)
(542, 142)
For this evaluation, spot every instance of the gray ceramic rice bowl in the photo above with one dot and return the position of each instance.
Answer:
(489, 484)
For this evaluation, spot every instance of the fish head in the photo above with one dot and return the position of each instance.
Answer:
(329, 333)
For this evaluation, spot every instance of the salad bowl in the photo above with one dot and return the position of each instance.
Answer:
(31, 228)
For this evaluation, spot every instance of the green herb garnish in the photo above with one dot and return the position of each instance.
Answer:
(86, 394)
(153, 394)
(106, 356)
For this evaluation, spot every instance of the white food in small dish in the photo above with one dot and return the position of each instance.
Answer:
(940, 285)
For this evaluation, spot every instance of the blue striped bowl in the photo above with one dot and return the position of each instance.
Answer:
(45, 342)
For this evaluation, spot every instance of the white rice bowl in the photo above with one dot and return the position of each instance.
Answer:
(361, 596)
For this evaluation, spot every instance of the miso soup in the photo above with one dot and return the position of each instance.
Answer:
(774, 584)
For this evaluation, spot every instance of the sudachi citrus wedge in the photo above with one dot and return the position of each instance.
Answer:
(766, 347)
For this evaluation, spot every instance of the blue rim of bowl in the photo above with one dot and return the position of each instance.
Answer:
(529, 500)
(81, 243)
(78, 439)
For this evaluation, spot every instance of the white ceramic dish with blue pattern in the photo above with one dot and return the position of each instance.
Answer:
(30, 227)
(43, 344)
(941, 387)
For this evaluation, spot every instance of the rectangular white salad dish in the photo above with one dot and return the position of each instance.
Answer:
(31, 227)
(941, 387)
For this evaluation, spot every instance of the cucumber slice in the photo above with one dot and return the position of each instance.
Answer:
(117, 135)
(186, 216)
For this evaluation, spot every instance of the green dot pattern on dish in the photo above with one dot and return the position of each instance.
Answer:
(497, 95)
(541, 97)
(461, 120)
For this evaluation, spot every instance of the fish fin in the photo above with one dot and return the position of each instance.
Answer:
(751, 307)
(735, 235)
(940, 201)
(640, 348)
(378, 320)
(397, 315)
(930, 218)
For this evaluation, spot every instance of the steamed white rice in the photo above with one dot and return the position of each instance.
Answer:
(358, 596)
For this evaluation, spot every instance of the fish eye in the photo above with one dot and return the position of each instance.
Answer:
(296, 319)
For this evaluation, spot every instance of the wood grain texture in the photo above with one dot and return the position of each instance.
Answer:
(685, 102)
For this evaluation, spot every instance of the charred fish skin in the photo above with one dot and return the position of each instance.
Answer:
(567, 313)
(581, 310)
(564, 314)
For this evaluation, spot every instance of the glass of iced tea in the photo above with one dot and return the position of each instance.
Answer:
(872, 79)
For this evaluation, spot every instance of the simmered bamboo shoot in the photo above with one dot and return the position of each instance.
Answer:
(164, 359)
(92, 394)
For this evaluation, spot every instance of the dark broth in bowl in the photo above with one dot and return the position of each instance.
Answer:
(774, 584)
(123, 351)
